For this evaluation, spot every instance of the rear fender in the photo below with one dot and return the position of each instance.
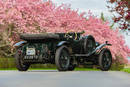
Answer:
(63, 43)
(66, 44)
(20, 43)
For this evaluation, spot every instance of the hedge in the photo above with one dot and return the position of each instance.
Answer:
(10, 63)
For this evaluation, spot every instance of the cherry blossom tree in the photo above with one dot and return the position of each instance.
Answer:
(36, 16)
(121, 12)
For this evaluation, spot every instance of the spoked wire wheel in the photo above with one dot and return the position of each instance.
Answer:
(105, 59)
(62, 58)
(20, 65)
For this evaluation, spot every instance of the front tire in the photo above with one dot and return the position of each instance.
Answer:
(62, 58)
(20, 65)
(105, 59)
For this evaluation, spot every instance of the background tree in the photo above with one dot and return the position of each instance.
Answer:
(121, 12)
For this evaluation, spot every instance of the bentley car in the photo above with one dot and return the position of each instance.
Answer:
(65, 50)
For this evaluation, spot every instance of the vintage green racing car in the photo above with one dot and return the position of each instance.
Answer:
(66, 50)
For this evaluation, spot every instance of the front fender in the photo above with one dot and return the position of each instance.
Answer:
(19, 43)
(62, 43)
(99, 48)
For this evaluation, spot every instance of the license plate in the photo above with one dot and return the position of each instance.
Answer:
(30, 51)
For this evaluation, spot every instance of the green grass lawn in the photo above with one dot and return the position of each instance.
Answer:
(29, 69)
(86, 69)
(76, 69)
(126, 70)
(5, 63)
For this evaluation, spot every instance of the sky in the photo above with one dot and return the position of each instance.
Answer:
(96, 7)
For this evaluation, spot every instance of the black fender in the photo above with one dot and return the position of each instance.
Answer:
(61, 43)
(20, 43)
(100, 47)
(66, 43)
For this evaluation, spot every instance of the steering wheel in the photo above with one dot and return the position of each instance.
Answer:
(68, 35)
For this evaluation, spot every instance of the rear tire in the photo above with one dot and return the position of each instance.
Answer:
(20, 65)
(105, 59)
(62, 58)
